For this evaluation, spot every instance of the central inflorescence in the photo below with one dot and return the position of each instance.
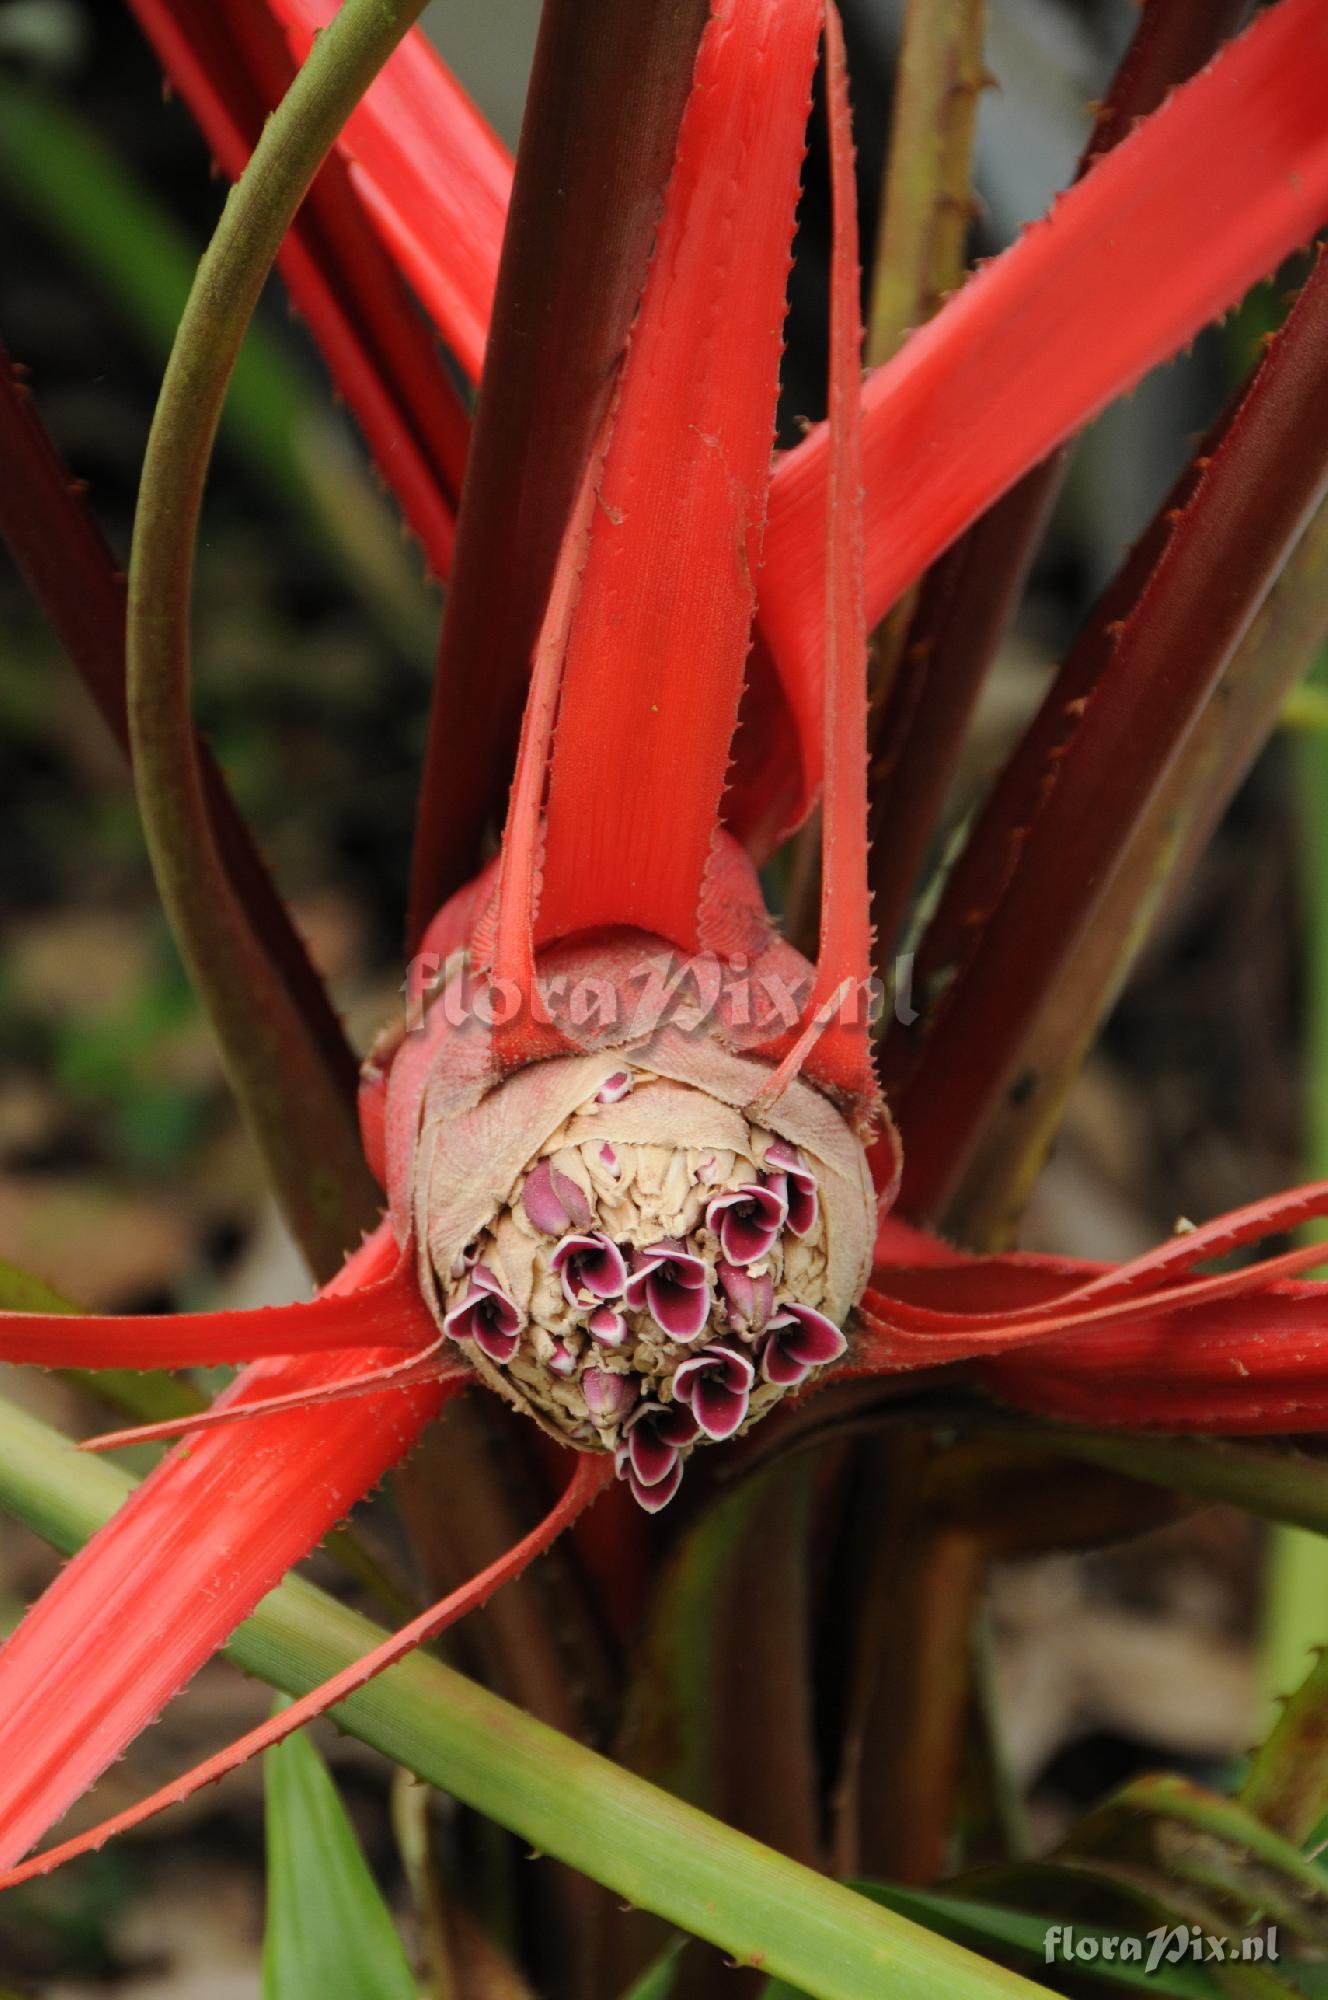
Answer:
(659, 1277)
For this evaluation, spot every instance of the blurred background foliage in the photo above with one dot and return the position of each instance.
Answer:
(124, 1179)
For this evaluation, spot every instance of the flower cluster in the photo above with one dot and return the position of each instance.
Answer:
(659, 1277)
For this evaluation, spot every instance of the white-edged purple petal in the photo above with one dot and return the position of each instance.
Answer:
(751, 1299)
(614, 1088)
(487, 1316)
(788, 1174)
(562, 1361)
(553, 1201)
(798, 1340)
(674, 1286)
(608, 1327)
(644, 1262)
(609, 1158)
(651, 1498)
(716, 1384)
(590, 1267)
(656, 1433)
(608, 1395)
(747, 1221)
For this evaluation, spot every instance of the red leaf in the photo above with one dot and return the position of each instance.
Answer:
(654, 668)
(137, 1611)
(1084, 776)
(841, 1055)
(597, 141)
(388, 1313)
(1166, 232)
(232, 65)
(969, 597)
(432, 174)
(1144, 1343)
(590, 1478)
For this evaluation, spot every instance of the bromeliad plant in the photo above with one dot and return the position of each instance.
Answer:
(647, 1172)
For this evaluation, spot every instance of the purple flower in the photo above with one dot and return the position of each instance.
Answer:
(590, 1267)
(562, 1361)
(487, 1316)
(751, 1300)
(553, 1201)
(747, 1221)
(608, 1396)
(788, 1175)
(673, 1284)
(652, 1498)
(799, 1340)
(717, 1385)
(608, 1327)
(650, 1457)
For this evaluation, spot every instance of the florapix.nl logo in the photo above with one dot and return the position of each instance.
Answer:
(686, 992)
(1168, 1944)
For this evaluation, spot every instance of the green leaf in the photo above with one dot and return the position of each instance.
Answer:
(1306, 709)
(1287, 1787)
(1295, 1622)
(23, 1293)
(1280, 1481)
(984, 1925)
(566, 1801)
(1160, 1797)
(659, 1980)
(328, 1930)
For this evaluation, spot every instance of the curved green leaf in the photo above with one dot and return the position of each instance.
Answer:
(1287, 1787)
(565, 1800)
(983, 1925)
(328, 1931)
(304, 1128)
(659, 1981)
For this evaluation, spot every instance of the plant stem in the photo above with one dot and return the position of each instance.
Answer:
(925, 214)
(304, 1130)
